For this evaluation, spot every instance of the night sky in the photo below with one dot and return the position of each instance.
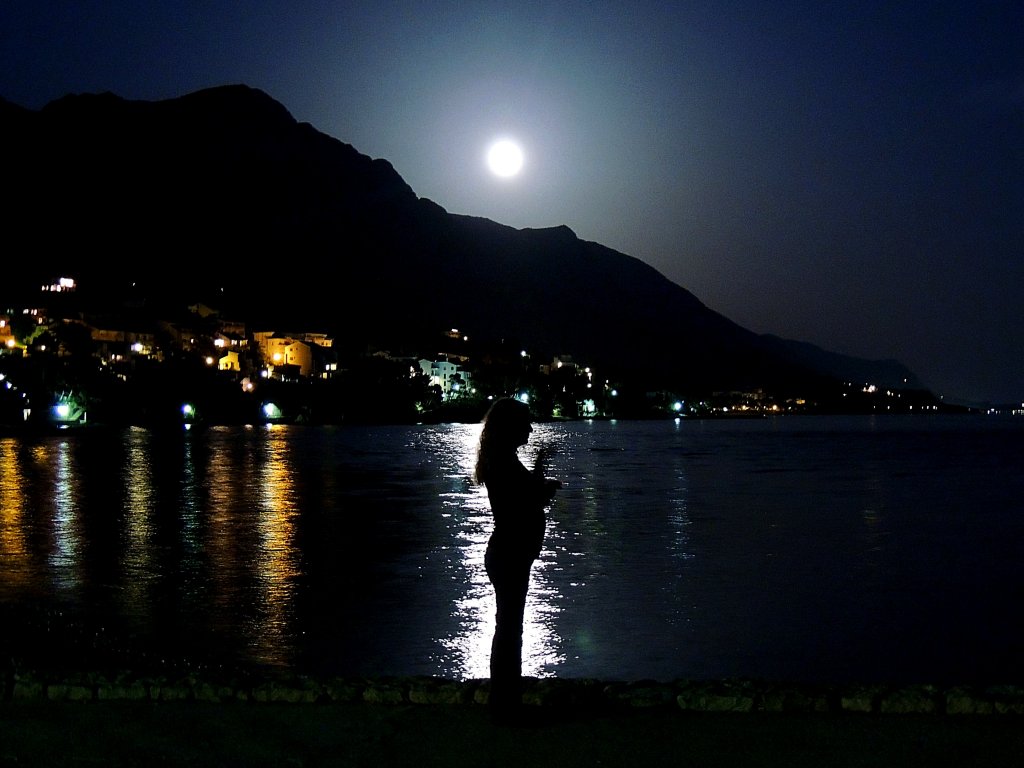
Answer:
(848, 174)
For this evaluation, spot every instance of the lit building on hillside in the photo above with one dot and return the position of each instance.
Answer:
(449, 376)
(7, 341)
(283, 350)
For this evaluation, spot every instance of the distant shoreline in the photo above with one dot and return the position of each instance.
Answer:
(35, 428)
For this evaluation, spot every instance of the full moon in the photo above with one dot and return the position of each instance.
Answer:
(505, 158)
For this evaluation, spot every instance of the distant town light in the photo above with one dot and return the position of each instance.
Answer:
(63, 284)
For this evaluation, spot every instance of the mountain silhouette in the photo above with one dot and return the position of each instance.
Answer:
(222, 196)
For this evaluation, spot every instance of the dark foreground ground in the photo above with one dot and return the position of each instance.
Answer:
(192, 733)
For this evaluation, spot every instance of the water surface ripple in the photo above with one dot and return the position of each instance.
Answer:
(815, 549)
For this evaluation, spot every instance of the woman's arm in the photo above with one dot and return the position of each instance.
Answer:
(549, 484)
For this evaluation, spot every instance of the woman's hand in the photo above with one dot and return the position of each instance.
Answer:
(550, 486)
(543, 454)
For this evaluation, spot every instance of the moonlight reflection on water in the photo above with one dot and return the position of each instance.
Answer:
(467, 652)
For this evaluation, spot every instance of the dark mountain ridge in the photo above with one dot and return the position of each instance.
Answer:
(222, 196)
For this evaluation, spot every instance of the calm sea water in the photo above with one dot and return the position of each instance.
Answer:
(801, 548)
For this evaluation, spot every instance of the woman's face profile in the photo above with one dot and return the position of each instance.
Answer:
(523, 430)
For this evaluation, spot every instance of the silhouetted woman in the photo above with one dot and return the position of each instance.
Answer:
(518, 497)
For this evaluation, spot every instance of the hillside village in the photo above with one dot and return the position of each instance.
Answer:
(65, 366)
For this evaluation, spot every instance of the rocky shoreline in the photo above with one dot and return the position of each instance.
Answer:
(738, 696)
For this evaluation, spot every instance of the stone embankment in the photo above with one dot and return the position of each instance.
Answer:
(685, 695)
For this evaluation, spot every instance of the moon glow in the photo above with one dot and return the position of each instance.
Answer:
(505, 158)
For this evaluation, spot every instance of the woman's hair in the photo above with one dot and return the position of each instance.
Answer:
(502, 426)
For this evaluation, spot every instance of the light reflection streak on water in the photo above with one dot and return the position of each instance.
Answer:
(142, 504)
(468, 516)
(680, 522)
(679, 513)
(13, 545)
(191, 508)
(226, 543)
(65, 556)
(276, 557)
(137, 479)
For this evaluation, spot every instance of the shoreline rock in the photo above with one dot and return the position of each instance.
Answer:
(690, 696)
